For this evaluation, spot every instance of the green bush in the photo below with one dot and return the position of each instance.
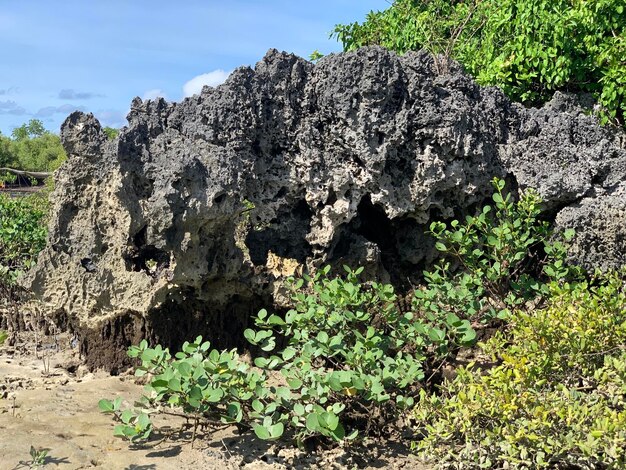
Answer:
(6, 158)
(495, 261)
(352, 362)
(529, 48)
(557, 397)
(111, 132)
(22, 234)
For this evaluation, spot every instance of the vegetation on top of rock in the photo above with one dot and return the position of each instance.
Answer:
(111, 132)
(529, 48)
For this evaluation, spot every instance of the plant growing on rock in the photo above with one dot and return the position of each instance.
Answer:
(353, 361)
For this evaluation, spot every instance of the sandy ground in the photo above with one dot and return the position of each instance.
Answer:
(49, 401)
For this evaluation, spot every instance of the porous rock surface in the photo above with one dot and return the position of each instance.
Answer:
(191, 219)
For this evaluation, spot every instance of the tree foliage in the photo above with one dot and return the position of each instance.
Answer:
(31, 147)
(529, 48)
(111, 132)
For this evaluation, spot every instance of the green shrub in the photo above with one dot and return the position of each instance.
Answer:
(350, 346)
(111, 132)
(352, 362)
(557, 397)
(6, 158)
(529, 48)
(22, 234)
(201, 382)
(495, 261)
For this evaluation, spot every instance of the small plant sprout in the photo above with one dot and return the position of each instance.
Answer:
(38, 457)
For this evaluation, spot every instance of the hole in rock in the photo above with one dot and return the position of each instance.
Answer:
(219, 199)
(332, 198)
(358, 161)
(150, 259)
(381, 137)
(401, 244)
(143, 186)
(140, 238)
(285, 238)
(374, 225)
(146, 258)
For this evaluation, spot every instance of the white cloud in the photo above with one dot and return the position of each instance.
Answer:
(49, 111)
(11, 107)
(13, 90)
(70, 94)
(154, 94)
(194, 86)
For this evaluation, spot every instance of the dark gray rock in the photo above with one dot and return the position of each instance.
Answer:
(191, 219)
(600, 224)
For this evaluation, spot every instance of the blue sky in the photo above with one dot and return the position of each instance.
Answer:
(97, 55)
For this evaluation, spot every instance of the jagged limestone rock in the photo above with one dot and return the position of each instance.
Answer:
(192, 218)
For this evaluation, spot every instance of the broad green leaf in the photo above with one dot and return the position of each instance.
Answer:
(312, 423)
(106, 406)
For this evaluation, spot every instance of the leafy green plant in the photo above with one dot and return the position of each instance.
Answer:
(133, 426)
(203, 383)
(6, 177)
(22, 235)
(529, 48)
(557, 399)
(3, 337)
(495, 261)
(352, 362)
(352, 356)
(38, 457)
(111, 132)
(315, 56)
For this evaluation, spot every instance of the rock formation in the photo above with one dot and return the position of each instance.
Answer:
(191, 219)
